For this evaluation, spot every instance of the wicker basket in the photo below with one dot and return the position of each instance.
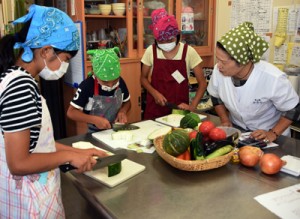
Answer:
(191, 165)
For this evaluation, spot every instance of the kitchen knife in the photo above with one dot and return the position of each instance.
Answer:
(101, 162)
(171, 105)
(175, 106)
(123, 126)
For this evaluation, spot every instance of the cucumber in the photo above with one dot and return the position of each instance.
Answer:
(219, 152)
(114, 169)
(159, 132)
(180, 111)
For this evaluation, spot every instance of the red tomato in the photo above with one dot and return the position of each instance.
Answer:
(185, 156)
(217, 134)
(192, 134)
(206, 126)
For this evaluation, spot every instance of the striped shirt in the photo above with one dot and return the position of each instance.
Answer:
(20, 105)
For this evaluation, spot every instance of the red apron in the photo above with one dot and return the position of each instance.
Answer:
(163, 81)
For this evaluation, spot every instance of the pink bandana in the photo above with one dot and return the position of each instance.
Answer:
(164, 26)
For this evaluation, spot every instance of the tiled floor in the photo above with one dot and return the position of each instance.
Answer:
(75, 205)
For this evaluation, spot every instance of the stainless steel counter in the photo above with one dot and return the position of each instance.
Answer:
(162, 191)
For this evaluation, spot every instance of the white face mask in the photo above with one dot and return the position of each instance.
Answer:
(167, 47)
(107, 88)
(50, 75)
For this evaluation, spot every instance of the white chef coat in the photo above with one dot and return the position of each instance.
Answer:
(259, 102)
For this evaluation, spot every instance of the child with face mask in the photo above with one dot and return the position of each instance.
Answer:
(166, 68)
(29, 156)
(103, 97)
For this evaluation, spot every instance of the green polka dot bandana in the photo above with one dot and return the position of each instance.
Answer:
(105, 63)
(243, 44)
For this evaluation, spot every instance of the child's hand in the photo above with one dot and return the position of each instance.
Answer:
(85, 159)
(159, 99)
(185, 106)
(94, 152)
(102, 123)
(121, 117)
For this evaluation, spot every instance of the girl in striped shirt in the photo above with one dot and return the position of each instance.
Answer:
(29, 156)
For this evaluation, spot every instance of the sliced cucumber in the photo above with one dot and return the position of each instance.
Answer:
(122, 135)
(180, 111)
(114, 169)
(159, 132)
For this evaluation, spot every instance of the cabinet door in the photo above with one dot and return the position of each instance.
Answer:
(130, 72)
(142, 20)
(196, 22)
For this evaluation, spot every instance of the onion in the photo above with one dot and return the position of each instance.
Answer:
(249, 156)
(270, 163)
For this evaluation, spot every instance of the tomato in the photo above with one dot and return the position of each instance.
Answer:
(185, 156)
(206, 126)
(217, 134)
(193, 134)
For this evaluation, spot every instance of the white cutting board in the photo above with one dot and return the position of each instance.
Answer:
(146, 128)
(175, 119)
(129, 169)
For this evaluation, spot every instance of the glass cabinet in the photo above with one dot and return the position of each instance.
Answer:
(196, 20)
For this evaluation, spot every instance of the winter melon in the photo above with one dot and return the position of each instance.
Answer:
(190, 120)
(159, 132)
(176, 142)
(122, 135)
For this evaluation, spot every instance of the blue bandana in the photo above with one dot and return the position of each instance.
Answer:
(49, 26)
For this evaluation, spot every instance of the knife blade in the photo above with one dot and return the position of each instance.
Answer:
(171, 105)
(101, 162)
(123, 126)
(176, 107)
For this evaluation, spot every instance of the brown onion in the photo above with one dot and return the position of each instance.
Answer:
(270, 163)
(249, 156)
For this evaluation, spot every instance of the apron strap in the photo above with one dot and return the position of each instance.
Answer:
(96, 87)
(184, 51)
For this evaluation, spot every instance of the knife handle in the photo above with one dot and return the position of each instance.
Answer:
(66, 167)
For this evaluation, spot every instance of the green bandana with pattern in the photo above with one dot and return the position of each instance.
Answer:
(105, 63)
(243, 44)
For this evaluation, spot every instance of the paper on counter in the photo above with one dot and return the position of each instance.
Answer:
(292, 165)
(285, 203)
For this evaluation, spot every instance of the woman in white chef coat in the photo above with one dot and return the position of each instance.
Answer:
(247, 92)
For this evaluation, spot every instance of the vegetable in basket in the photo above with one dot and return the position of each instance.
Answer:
(197, 147)
(176, 142)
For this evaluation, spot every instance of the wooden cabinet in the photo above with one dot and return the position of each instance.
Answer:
(132, 31)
